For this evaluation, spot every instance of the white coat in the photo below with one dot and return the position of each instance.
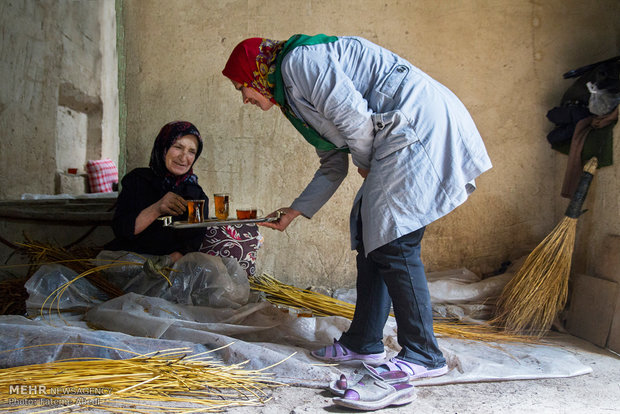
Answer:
(414, 135)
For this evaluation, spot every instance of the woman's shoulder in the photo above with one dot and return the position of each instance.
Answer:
(140, 173)
(139, 176)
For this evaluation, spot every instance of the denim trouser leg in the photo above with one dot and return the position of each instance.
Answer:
(395, 270)
(372, 308)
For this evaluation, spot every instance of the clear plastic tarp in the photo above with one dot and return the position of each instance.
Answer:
(255, 330)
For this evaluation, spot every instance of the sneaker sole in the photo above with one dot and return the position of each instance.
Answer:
(372, 361)
(437, 372)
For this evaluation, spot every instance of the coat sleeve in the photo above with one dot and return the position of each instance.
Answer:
(327, 179)
(316, 81)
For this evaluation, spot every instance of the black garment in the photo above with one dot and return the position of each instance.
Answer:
(574, 105)
(140, 189)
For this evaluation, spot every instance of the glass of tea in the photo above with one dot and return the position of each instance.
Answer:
(221, 201)
(245, 213)
(195, 211)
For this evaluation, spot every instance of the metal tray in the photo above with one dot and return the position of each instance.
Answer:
(212, 222)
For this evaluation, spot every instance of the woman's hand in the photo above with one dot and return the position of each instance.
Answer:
(171, 204)
(287, 215)
(175, 256)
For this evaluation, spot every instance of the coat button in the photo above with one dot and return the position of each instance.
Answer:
(380, 125)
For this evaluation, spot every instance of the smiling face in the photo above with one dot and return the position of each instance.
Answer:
(252, 96)
(181, 155)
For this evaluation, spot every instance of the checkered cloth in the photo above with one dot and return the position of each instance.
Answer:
(102, 174)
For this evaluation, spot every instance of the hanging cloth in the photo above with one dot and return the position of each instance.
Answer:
(585, 129)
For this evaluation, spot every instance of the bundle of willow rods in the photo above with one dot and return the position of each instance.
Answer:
(56, 295)
(164, 381)
(75, 259)
(538, 291)
(280, 293)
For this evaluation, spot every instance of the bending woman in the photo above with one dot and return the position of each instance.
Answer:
(414, 143)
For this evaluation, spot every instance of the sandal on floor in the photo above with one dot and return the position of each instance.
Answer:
(339, 386)
(371, 394)
(339, 353)
(413, 370)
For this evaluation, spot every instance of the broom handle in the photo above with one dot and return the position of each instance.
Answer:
(574, 207)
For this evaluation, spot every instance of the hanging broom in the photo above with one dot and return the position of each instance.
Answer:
(537, 293)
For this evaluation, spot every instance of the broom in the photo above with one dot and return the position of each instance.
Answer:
(532, 299)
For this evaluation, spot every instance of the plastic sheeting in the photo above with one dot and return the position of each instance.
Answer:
(24, 342)
(457, 293)
(258, 332)
(197, 278)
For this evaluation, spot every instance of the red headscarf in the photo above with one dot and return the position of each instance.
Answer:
(251, 62)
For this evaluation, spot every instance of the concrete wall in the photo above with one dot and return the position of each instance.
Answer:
(58, 57)
(503, 58)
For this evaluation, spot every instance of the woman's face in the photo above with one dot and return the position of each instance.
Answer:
(251, 95)
(181, 154)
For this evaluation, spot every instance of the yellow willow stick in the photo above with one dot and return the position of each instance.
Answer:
(60, 290)
(126, 389)
(171, 375)
(76, 343)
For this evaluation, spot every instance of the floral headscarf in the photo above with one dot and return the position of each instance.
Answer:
(166, 138)
(252, 61)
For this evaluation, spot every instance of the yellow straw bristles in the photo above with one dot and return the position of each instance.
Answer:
(165, 381)
(532, 299)
(280, 293)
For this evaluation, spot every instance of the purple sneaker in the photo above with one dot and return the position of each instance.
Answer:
(415, 371)
(339, 353)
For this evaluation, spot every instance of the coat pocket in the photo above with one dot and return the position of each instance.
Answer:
(393, 80)
(392, 132)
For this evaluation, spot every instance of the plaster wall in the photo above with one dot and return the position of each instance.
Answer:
(504, 59)
(54, 53)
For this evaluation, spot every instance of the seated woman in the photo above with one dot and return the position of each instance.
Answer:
(161, 190)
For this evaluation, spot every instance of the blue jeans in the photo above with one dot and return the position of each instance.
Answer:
(394, 273)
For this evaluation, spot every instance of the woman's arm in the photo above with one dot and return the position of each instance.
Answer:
(333, 170)
(170, 204)
(136, 208)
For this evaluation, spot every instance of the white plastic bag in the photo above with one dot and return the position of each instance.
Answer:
(601, 101)
(196, 279)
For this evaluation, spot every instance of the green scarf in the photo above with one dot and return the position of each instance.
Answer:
(309, 133)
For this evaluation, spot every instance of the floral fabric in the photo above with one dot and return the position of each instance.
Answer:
(240, 241)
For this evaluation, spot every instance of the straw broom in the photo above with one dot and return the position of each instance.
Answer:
(537, 293)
